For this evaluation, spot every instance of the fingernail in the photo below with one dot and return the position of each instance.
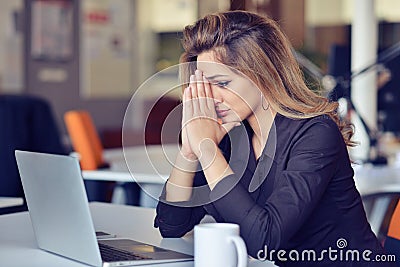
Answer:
(197, 72)
(192, 78)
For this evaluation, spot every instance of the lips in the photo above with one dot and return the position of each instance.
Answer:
(222, 112)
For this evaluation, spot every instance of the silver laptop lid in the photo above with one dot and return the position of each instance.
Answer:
(58, 205)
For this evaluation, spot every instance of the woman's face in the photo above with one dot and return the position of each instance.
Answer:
(236, 97)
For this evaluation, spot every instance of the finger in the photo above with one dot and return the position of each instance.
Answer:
(184, 106)
(186, 94)
(207, 87)
(200, 84)
(209, 95)
(194, 97)
(193, 86)
(187, 109)
(201, 96)
(203, 106)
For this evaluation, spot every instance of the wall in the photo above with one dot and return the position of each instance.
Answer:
(65, 95)
(340, 12)
(292, 21)
(107, 112)
(11, 39)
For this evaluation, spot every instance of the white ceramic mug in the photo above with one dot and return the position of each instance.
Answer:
(219, 244)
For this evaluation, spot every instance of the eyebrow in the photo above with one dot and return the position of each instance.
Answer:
(215, 76)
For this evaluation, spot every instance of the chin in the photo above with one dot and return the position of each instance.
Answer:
(228, 119)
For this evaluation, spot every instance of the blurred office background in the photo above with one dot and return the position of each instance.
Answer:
(93, 54)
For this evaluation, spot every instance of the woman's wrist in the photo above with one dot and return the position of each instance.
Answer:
(207, 152)
(186, 162)
(180, 183)
(183, 171)
(216, 169)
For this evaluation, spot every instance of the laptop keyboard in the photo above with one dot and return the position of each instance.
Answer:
(110, 254)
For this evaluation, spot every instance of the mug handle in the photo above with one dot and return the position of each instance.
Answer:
(240, 249)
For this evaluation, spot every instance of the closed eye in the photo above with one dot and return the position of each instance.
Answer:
(222, 84)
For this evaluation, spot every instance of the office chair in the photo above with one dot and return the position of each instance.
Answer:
(86, 142)
(26, 123)
(392, 242)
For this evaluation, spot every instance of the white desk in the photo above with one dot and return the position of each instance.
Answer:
(7, 202)
(144, 165)
(371, 179)
(152, 165)
(18, 247)
(148, 166)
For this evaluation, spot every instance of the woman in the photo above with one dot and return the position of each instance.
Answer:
(282, 172)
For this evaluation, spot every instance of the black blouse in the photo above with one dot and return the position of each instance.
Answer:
(298, 196)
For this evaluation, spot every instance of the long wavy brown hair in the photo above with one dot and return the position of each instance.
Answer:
(255, 46)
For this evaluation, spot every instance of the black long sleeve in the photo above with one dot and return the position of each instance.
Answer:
(176, 219)
(300, 186)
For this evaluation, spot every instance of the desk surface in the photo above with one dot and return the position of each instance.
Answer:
(371, 179)
(148, 165)
(18, 246)
(152, 165)
(6, 202)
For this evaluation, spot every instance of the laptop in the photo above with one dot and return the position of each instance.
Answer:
(61, 218)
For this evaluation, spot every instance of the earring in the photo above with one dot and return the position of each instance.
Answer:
(262, 103)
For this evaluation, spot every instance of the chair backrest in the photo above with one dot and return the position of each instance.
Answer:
(26, 123)
(392, 242)
(394, 226)
(85, 139)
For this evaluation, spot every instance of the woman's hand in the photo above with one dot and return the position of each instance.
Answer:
(186, 150)
(200, 127)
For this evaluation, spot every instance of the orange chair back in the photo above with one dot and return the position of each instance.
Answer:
(85, 139)
(392, 242)
(394, 226)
